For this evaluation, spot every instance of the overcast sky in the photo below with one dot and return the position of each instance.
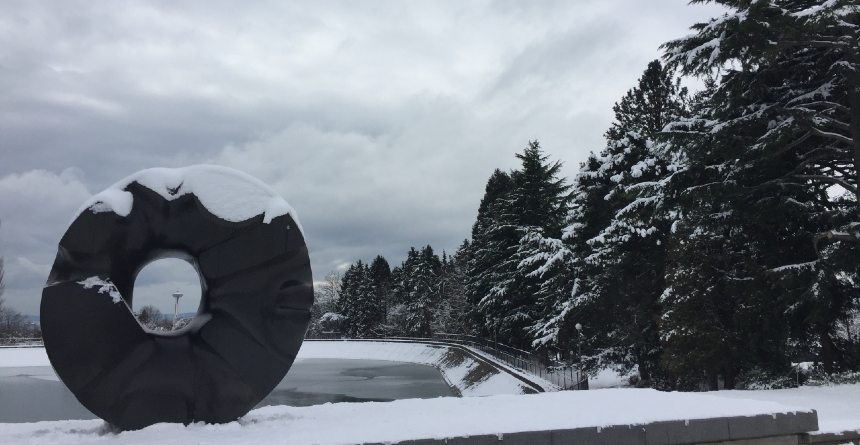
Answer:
(379, 122)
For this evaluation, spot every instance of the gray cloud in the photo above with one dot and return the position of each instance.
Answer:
(378, 121)
(36, 209)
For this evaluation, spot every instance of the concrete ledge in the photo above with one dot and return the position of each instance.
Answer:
(775, 425)
(794, 439)
(776, 429)
(852, 437)
(729, 428)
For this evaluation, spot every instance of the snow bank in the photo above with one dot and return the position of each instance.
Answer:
(463, 372)
(350, 423)
(229, 194)
(838, 407)
(23, 357)
(607, 378)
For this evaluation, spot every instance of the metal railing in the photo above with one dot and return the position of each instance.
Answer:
(562, 375)
(20, 342)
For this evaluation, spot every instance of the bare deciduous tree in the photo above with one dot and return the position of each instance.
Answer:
(12, 323)
(152, 318)
(323, 316)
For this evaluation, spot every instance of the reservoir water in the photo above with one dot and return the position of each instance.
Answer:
(32, 394)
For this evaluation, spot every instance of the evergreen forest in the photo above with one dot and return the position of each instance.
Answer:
(713, 242)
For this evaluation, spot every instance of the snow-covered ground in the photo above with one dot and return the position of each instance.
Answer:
(349, 423)
(23, 357)
(607, 378)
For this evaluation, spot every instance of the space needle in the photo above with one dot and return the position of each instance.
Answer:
(177, 295)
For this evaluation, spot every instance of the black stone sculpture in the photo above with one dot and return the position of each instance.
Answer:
(255, 307)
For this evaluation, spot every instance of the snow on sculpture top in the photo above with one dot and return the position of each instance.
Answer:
(229, 194)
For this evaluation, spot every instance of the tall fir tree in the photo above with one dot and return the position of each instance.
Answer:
(450, 313)
(607, 272)
(630, 252)
(565, 292)
(380, 283)
(536, 205)
(417, 289)
(492, 242)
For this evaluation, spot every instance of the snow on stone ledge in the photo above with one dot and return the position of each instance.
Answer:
(227, 193)
(351, 423)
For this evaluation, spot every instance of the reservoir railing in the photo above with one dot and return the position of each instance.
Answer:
(20, 342)
(562, 375)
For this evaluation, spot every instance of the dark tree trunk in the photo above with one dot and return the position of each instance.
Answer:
(713, 382)
(854, 111)
(729, 374)
(828, 349)
(644, 374)
(543, 353)
(673, 382)
(644, 370)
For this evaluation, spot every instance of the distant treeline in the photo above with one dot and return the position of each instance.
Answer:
(422, 296)
(713, 242)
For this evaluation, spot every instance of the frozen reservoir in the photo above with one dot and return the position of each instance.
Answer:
(34, 393)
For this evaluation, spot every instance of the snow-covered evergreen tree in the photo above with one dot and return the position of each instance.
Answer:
(607, 273)
(799, 63)
(362, 310)
(780, 129)
(417, 290)
(450, 314)
(380, 282)
(630, 252)
(565, 294)
(492, 242)
(536, 204)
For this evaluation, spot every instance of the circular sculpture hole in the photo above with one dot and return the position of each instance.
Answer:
(153, 302)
